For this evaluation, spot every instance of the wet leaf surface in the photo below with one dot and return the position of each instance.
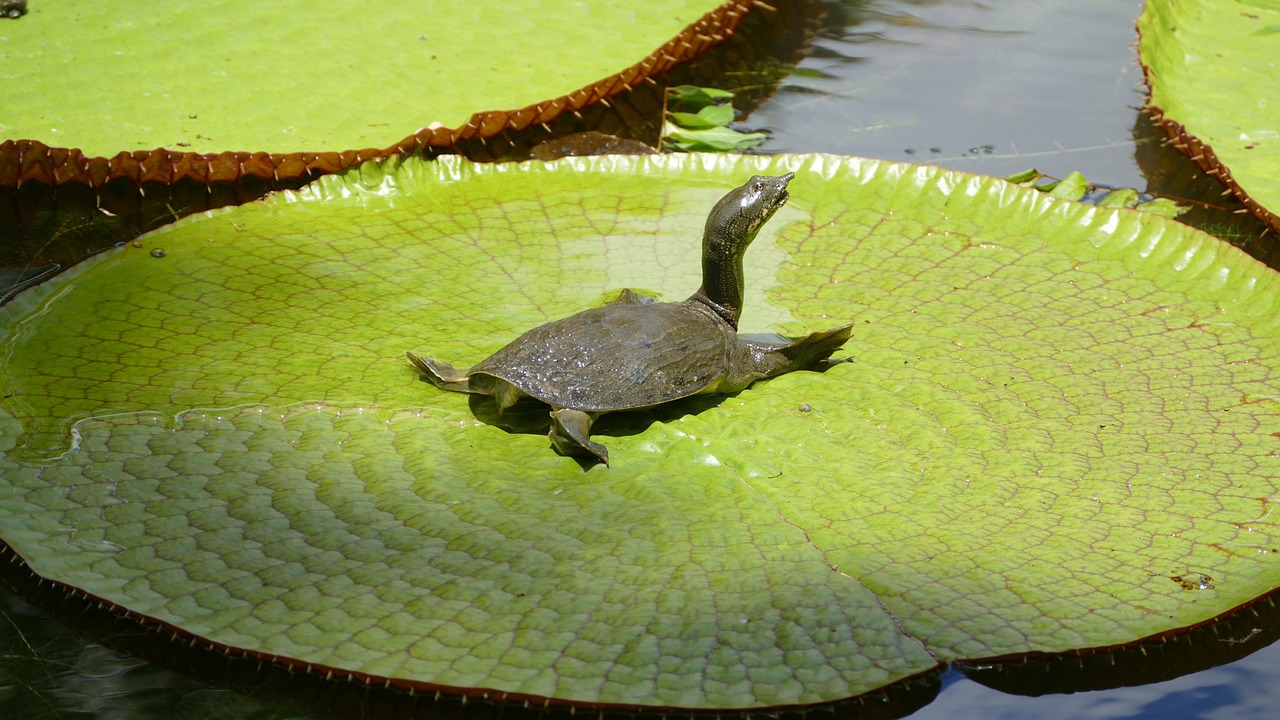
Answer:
(1211, 68)
(304, 76)
(1053, 409)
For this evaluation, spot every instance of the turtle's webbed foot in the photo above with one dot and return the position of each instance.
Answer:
(816, 347)
(441, 374)
(571, 435)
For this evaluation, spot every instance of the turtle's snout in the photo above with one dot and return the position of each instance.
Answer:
(783, 195)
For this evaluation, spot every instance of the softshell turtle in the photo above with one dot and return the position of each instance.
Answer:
(634, 353)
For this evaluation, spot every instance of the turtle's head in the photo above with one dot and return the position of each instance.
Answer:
(731, 226)
(735, 220)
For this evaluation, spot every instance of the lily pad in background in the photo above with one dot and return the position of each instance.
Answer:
(75, 181)
(1056, 415)
(299, 82)
(1211, 67)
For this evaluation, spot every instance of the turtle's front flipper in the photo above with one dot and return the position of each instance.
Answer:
(571, 435)
(631, 297)
(441, 374)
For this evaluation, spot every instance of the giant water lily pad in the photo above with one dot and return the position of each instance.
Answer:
(209, 91)
(1211, 65)
(1058, 431)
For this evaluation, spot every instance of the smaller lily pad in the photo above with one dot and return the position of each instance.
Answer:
(1211, 67)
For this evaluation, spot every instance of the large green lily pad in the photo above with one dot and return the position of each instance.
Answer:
(304, 75)
(223, 90)
(1058, 431)
(1211, 65)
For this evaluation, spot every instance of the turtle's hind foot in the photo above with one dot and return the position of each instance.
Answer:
(817, 347)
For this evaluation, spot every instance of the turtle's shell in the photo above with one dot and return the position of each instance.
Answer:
(618, 357)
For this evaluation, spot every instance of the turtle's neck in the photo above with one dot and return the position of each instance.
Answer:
(722, 282)
(731, 226)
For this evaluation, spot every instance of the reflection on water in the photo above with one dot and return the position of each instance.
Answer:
(1247, 688)
(15, 280)
(48, 672)
(985, 87)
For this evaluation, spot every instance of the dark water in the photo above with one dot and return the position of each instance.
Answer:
(47, 672)
(986, 87)
(994, 87)
(991, 87)
(1243, 690)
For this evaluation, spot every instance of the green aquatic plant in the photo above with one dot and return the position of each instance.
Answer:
(1076, 187)
(698, 120)
(1058, 432)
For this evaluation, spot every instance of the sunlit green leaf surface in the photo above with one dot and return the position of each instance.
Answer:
(303, 75)
(1211, 65)
(1054, 411)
